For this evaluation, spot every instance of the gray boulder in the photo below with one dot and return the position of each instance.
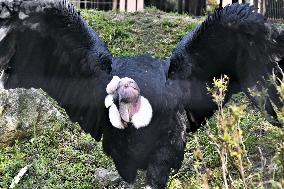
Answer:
(23, 111)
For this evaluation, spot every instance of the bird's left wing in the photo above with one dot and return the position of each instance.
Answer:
(47, 44)
(236, 41)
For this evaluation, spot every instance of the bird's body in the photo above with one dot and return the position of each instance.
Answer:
(138, 146)
(47, 44)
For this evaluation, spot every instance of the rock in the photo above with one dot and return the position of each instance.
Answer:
(107, 176)
(22, 111)
(26, 114)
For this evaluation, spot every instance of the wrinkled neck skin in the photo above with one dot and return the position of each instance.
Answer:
(127, 110)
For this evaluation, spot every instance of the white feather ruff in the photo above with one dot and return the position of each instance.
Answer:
(114, 117)
(144, 115)
(113, 84)
(108, 100)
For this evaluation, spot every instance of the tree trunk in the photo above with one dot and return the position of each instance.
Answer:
(195, 7)
(221, 4)
(180, 2)
(255, 2)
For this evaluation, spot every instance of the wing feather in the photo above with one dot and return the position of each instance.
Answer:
(236, 41)
(47, 44)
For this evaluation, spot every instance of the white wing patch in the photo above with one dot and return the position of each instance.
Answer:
(2, 75)
(3, 33)
(144, 115)
(23, 16)
(5, 13)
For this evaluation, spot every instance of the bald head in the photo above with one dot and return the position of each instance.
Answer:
(128, 90)
(132, 108)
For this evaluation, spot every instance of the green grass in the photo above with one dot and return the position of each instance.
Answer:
(129, 34)
(61, 157)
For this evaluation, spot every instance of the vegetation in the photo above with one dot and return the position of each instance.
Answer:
(152, 32)
(237, 148)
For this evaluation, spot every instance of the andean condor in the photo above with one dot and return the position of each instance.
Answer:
(47, 44)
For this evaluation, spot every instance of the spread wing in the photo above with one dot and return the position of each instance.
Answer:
(236, 41)
(47, 44)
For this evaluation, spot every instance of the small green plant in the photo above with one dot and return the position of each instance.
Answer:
(229, 139)
(237, 148)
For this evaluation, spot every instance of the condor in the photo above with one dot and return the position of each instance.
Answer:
(47, 44)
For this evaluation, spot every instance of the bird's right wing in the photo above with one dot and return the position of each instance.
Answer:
(236, 41)
(47, 44)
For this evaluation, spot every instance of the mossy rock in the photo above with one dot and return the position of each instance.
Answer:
(36, 132)
(25, 112)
